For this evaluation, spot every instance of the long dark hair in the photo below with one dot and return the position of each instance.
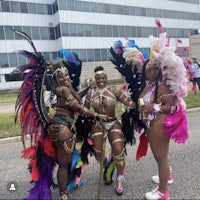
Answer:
(143, 81)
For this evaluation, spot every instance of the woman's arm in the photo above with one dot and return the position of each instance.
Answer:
(88, 99)
(76, 107)
(166, 101)
(125, 100)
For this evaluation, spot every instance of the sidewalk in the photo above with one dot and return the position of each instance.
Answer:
(18, 138)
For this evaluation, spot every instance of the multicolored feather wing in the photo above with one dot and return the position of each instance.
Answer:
(128, 61)
(34, 120)
(74, 66)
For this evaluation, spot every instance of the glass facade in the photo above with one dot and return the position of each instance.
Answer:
(84, 6)
(87, 30)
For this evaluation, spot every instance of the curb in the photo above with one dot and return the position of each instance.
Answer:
(18, 138)
(10, 140)
(191, 110)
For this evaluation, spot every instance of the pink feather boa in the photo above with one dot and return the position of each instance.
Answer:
(176, 126)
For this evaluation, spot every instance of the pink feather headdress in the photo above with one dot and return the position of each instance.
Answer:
(173, 69)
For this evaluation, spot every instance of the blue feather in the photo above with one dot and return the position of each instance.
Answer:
(69, 56)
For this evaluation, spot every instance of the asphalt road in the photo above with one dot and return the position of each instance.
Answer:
(185, 162)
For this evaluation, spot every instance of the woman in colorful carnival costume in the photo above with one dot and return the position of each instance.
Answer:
(60, 130)
(103, 100)
(161, 105)
(52, 140)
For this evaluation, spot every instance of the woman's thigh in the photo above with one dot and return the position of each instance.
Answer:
(158, 141)
(116, 138)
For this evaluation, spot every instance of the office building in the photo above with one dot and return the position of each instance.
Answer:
(89, 28)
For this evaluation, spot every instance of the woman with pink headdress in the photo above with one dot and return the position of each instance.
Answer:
(161, 106)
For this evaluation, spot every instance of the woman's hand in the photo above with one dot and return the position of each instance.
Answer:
(99, 117)
(146, 108)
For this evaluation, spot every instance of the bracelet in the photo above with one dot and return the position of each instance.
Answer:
(156, 108)
(85, 110)
(96, 117)
(130, 104)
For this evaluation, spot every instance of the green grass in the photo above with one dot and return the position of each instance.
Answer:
(192, 100)
(9, 129)
(8, 98)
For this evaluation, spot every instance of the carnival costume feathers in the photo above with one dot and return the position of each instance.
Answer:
(128, 60)
(74, 66)
(173, 75)
(34, 120)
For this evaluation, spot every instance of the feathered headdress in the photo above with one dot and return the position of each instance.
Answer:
(74, 66)
(172, 66)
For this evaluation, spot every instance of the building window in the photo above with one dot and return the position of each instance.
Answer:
(21, 59)
(97, 55)
(49, 9)
(27, 30)
(54, 55)
(102, 30)
(44, 33)
(9, 33)
(104, 55)
(108, 31)
(17, 36)
(115, 31)
(12, 59)
(41, 9)
(14, 6)
(120, 10)
(35, 33)
(23, 7)
(88, 30)
(78, 5)
(90, 55)
(5, 6)
(70, 4)
(100, 8)
(82, 55)
(46, 56)
(80, 29)
(62, 4)
(72, 30)
(57, 31)
(128, 31)
(93, 7)
(51, 33)
(55, 7)
(107, 8)
(3, 60)
(2, 35)
(86, 6)
(32, 8)
(121, 31)
(65, 29)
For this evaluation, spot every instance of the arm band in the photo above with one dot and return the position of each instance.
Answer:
(156, 108)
